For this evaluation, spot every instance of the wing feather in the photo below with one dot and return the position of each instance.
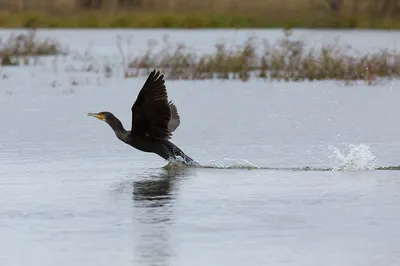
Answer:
(175, 119)
(152, 114)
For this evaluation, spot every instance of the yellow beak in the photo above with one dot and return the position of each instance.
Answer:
(98, 116)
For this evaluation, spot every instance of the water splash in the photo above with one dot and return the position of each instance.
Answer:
(231, 163)
(359, 158)
(226, 163)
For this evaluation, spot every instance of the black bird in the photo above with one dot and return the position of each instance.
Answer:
(153, 121)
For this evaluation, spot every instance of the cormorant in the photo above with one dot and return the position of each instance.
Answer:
(153, 121)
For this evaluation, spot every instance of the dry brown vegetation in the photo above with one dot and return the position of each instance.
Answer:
(25, 45)
(286, 60)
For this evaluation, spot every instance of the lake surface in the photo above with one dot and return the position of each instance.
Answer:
(298, 174)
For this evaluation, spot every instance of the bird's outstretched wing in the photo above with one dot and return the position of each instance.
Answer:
(152, 114)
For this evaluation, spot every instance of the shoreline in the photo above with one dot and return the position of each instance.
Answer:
(153, 20)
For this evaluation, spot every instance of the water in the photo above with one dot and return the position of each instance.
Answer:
(292, 173)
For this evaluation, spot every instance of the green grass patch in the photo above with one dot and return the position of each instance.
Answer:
(103, 19)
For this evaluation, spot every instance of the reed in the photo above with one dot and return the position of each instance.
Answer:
(25, 45)
(287, 59)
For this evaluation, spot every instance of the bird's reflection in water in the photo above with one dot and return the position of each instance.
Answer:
(154, 197)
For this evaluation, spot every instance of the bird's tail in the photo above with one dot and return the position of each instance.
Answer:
(176, 152)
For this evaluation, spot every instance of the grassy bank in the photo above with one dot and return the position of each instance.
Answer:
(201, 14)
(101, 19)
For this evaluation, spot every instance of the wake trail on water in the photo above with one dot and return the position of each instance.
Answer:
(358, 158)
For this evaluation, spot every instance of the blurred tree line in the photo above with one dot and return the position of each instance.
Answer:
(376, 8)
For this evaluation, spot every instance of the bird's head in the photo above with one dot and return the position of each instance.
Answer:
(110, 119)
(103, 116)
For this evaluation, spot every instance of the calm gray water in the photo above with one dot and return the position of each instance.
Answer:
(73, 194)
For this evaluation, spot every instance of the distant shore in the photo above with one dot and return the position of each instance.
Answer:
(101, 19)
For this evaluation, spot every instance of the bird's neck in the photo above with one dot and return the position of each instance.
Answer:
(118, 128)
